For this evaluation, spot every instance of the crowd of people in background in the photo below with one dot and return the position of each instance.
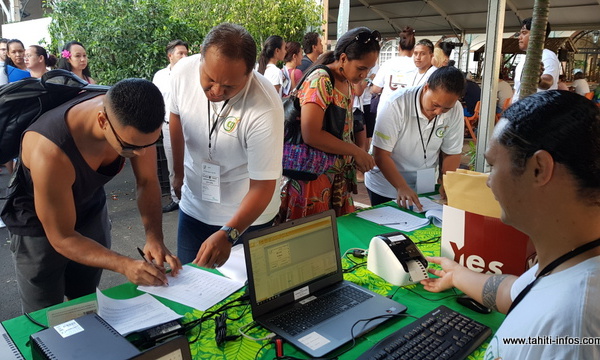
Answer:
(400, 126)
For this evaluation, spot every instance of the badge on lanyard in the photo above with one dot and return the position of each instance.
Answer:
(211, 182)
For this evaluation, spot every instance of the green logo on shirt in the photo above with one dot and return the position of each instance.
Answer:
(230, 124)
(441, 131)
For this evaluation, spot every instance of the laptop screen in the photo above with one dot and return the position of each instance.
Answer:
(289, 258)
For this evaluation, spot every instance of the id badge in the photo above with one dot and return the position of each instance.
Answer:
(211, 182)
(425, 181)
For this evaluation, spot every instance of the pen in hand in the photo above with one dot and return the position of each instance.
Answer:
(149, 262)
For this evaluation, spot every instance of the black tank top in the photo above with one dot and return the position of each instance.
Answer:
(88, 188)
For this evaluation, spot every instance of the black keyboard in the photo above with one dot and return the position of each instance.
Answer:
(304, 316)
(440, 334)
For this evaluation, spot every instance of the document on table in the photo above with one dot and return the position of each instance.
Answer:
(129, 315)
(428, 204)
(196, 288)
(235, 267)
(395, 218)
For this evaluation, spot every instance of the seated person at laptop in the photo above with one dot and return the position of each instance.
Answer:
(549, 189)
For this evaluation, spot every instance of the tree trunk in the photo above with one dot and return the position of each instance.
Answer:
(531, 70)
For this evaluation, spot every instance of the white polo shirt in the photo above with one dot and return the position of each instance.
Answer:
(393, 74)
(397, 131)
(247, 142)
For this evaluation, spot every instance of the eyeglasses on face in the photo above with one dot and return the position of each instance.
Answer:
(364, 37)
(124, 145)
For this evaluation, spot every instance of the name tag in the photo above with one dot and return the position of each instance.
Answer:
(211, 182)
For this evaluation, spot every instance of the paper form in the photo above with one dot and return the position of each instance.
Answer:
(235, 267)
(134, 314)
(195, 287)
(394, 218)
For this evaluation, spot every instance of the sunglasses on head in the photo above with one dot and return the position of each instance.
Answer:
(124, 145)
(364, 37)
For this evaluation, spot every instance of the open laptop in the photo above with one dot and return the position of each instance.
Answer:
(295, 274)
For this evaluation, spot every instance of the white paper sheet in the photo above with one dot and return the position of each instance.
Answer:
(134, 314)
(392, 217)
(195, 287)
(427, 204)
(235, 267)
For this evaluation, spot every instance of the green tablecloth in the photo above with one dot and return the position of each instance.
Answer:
(353, 232)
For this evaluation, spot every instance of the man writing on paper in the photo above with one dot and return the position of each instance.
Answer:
(413, 127)
(229, 120)
(57, 217)
(548, 188)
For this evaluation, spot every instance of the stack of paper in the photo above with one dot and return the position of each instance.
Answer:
(195, 288)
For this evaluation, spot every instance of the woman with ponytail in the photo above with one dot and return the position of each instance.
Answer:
(272, 52)
(38, 60)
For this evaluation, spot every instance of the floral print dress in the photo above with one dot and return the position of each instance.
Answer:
(333, 189)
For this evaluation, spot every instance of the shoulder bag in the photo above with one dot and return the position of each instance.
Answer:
(301, 161)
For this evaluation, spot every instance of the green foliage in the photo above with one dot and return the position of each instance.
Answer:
(289, 19)
(127, 38)
(123, 38)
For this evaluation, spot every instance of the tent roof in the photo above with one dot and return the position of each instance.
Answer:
(511, 45)
(444, 17)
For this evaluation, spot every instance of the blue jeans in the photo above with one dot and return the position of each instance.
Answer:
(191, 234)
(377, 199)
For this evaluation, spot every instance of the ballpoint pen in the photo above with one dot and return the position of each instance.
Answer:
(394, 223)
(148, 261)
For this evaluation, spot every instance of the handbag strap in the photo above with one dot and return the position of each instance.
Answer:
(310, 71)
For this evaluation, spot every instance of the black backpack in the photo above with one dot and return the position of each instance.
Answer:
(22, 103)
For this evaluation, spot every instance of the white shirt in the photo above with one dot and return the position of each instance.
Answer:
(505, 91)
(581, 86)
(560, 304)
(396, 131)
(247, 143)
(162, 80)
(275, 76)
(551, 67)
(394, 74)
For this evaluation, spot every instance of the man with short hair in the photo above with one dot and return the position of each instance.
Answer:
(413, 128)
(313, 48)
(3, 53)
(227, 135)
(57, 216)
(176, 50)
(549, 78)
(549, 188)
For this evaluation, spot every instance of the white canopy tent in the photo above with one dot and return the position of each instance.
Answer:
(461, 17)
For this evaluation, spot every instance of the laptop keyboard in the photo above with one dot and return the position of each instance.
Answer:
(303, 317)
(439, 334)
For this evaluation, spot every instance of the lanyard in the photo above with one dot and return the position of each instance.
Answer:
(214, 125)
(419, 125)
(422, 76)
(545, 271)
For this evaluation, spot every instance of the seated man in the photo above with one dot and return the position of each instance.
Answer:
(57, 216)
(549, 189)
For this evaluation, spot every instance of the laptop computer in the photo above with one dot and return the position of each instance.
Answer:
(297, 289)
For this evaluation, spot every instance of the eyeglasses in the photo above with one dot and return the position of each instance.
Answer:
(364, 38)
(126, 146)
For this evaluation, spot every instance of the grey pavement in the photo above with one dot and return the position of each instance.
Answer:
(127, 234)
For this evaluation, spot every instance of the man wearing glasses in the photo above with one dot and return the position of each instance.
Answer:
(57, 215)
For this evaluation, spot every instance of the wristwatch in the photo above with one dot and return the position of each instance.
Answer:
(232, 234)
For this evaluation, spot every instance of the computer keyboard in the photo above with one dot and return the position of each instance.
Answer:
(303, 317)
(441, 334)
